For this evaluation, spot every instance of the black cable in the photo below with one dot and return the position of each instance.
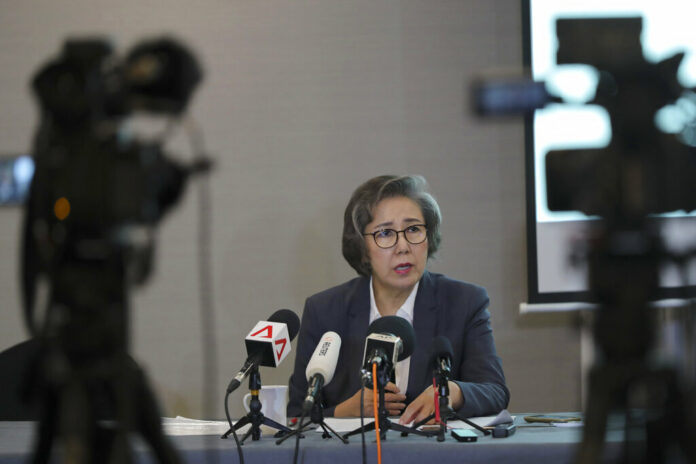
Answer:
(297, 437)
(205, 283)
(234, 434)
(207, 307)
(362, 423)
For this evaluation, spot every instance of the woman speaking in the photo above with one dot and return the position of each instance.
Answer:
(391, 229)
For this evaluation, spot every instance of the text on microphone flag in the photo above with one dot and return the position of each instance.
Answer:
(283, 342)
(268, 329)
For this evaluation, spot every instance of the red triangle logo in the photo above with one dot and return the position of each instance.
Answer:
(268, 328)
(283, 342)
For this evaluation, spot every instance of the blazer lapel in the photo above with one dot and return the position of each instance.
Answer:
(425, 326)
(424, 323)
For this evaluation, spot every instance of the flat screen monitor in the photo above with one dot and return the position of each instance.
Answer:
(668, 27)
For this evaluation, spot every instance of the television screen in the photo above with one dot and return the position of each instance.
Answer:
(668, 27)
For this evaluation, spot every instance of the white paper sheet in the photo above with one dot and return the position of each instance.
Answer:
(176, 426)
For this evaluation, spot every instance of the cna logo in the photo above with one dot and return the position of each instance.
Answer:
(276, 338)
(269, 332)
(282, 342)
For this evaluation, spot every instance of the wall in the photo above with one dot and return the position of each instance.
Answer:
(302, 101)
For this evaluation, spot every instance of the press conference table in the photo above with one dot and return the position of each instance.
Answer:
(531, 444)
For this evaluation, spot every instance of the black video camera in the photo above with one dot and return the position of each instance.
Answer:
(643, 170)
(97, 193)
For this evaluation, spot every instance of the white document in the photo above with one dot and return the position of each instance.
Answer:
(184, 426)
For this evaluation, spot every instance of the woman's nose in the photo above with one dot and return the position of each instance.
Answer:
(402, 244)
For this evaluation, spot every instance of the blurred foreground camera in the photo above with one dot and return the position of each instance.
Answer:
(95, 199)
(642, 171)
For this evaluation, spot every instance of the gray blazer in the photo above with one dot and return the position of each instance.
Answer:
(457, 310)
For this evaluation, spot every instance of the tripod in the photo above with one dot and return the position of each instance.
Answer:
(86, 375)
(656, 406)
(446, 412)
(647, 433)
(255, 417)
(316, 417)
(383, 416)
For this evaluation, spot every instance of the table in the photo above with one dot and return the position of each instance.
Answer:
(531, 444)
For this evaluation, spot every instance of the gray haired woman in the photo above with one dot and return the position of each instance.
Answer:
(391, 229)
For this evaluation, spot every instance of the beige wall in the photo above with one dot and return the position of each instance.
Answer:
(302, 101)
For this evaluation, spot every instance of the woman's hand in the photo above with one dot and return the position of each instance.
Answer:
(424, 405)
(393, 401)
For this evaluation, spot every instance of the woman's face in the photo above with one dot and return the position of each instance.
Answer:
(400, 267)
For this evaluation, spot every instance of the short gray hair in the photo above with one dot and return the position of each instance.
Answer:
(358, 215)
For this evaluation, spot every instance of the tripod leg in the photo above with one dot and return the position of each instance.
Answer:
(414, 428)
(325, 433)
(596, 418)
(239, 424)
(366, 428)
(45, 433)
(424, 421)
(483, 430)
(246, 435)
(326, 426)
(149, 422)
(687, 408)
(271, 423)
(389, 425)
(293, 433)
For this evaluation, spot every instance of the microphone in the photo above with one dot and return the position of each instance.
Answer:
(268, 343)
(441, 353)
(390, 339)
(321, 367)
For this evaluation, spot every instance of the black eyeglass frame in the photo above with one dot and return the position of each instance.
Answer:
(397, 232)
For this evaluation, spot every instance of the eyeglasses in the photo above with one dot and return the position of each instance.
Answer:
(387, 238)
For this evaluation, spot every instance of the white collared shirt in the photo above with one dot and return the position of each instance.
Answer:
(406, 312)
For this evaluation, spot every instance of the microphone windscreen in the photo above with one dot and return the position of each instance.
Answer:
(289, 318)
(399, 327)
(441, 348)
(325, 357)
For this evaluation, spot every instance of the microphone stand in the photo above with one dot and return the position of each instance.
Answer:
(446, 412)
(255, 417)
(316, 417)
(383, 416)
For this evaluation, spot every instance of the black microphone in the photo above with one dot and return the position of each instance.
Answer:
(321, 367)
(389, 339)
(268, 343)
(441, 353)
